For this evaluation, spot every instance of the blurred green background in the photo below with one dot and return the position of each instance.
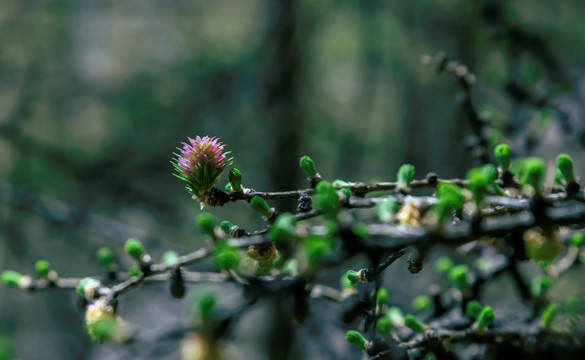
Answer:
(95, 96)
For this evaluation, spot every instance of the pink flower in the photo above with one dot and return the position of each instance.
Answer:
(200, 165)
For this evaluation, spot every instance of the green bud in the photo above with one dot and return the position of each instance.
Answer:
(135, 249)
(228, 187)
(6, 349)
(291, 267)
(540, 285)
(533, 171)
(548, 316)
(308, 167)
(134, 271)
(502, 154)
(485, 318)
(353, 277)
(387, 209)
(326, 199)
(577, 239)
(80, 287)
(361, 230)
(422, 303)
(346, 191)
(565, 165)
(451, 194)
(382, 297)
(450, 199)
(345, 283)
(42, 268)
(227, 260)
(170, 257)
(356, 339)
(284, 228)
(11, 278)
(490, 172)
(278, 263)
(235, 177)
(260, 206)
(414, 324)
(206, 306)
(430, 356)
(396, 316)
(105, 256)
(444, 264)
(573, 306)
(206, 224)
(405, 176)
(317, 248)
(226, 227)
(478, 184)
(559, 177)
(384, 326)
(103, 329)
(458, 277)
(473, 309)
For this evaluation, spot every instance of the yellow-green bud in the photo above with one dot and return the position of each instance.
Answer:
(206, 223)
(414, 324)
(405, 176)
(105, 256)
(548, 316)
(135, 249)
(261, 206)
(473, 309)
(502, 154)
(356, 339)
(308, 167)
(170, 257)
(565, 165)
(235, 177)
(485, 318)
(42, 267)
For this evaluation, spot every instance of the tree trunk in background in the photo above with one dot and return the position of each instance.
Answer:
(281, 66)
(281, 99)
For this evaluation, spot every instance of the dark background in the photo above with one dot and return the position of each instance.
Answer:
(96, 95)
